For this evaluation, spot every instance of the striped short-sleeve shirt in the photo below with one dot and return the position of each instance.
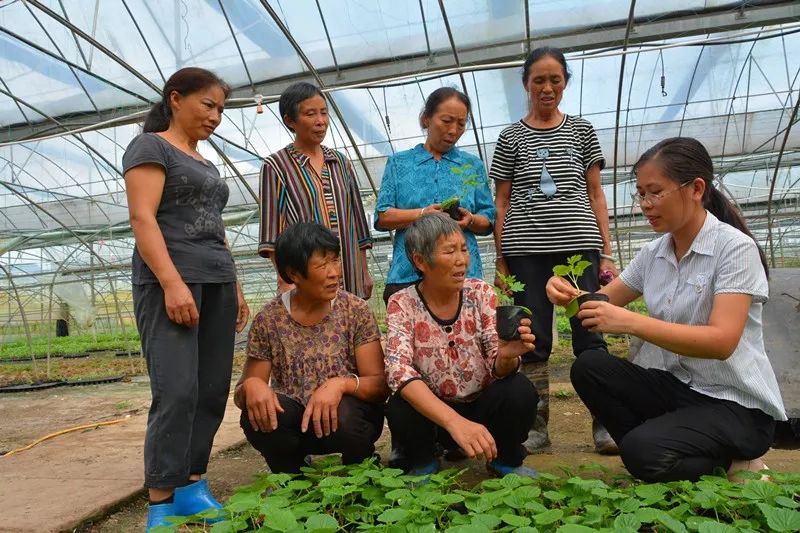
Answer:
(721, 260)
(535, 223)
(291, 191)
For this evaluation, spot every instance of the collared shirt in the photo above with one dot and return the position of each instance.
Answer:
(292, 191)
(413, 179)
(721, 260)
(454, 358)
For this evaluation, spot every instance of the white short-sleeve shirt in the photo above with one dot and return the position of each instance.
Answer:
(721, 260)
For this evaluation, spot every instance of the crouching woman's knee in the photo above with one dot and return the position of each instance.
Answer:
(360, 425)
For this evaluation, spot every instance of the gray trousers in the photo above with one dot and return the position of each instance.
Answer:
(190, 378)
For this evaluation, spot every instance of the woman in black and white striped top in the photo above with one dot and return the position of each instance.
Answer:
(550, 205)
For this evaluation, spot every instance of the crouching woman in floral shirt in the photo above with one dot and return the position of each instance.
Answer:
(313, 382)
(453, 381)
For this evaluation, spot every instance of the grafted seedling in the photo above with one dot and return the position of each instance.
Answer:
(573, 270)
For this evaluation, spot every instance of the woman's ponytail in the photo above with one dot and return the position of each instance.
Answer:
(158, 118)
(684, 159)
(722, 208)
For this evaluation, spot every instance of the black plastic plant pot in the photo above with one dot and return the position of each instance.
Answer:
(508, 318)
(453, 211)
(592, 297)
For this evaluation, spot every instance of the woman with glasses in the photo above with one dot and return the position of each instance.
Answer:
(702, 395)
(550, 206)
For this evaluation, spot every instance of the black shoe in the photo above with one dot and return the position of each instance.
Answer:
(603, 443)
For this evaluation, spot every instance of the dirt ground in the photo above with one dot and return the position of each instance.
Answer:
(25, 417)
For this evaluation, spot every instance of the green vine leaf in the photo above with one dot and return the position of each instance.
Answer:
(322, 523)
(780, 519)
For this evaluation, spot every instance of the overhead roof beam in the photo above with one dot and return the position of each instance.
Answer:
(611, 35)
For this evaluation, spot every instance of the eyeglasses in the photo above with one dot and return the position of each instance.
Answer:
(653, 199)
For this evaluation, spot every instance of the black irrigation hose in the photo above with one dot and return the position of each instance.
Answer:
(29, 387)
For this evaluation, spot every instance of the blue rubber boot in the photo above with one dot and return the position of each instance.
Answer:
(157, 515)
(196, 498)
(500, 470)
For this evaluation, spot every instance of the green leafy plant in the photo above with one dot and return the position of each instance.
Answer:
(573, 270)
(331, 497)
(512, 286)
(469, 180)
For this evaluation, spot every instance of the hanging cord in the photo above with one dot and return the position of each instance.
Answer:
(63, 431)
(663, 76)
(386, 112)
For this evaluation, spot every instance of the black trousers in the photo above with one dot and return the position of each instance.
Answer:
(190, 378)
(534, 271)
(504, 408)
(665, 430)
(285, 448)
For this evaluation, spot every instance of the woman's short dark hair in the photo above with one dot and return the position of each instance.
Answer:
(684, 159)
(539, 53)
(292, 96)
(423, 234)
(184, 82)
(436, 98)
(297, 243)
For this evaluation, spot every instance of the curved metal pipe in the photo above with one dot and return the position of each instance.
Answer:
(628, 29)
(774, 179)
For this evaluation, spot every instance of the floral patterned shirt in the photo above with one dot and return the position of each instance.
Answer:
(304, 357)
(454, 358)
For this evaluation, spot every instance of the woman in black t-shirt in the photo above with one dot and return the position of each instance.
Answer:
(550, 205)
(187, 301)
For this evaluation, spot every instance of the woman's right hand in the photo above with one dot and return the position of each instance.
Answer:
(262, 404)
(473, 438)
(180, 304)
(430, 209)
(560, 291)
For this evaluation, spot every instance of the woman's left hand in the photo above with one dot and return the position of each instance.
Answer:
(323, 408)
(513, 349)
(244, 312)
(466, 219)
(606, 265)
(603, 317)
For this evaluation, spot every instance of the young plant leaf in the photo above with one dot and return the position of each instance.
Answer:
(548, 517)
(280, 520)
(561, 270)
(571, 309)
(322, 523)
(780, 519)
(516, 520)
(391, 516)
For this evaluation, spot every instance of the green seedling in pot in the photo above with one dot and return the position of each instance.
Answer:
(508, 314)
(573, 270)
(470, 179)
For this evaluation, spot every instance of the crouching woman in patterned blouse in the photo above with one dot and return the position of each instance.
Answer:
(701, 395)
(313, 382)
(453, 381)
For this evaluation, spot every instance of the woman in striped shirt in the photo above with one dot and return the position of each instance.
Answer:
(702, 394)
(309, 182)
(550, 205)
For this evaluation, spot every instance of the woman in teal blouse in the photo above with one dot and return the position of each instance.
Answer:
(417, 181)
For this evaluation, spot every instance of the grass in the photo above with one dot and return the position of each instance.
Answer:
(75, 344)
(93, 367)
